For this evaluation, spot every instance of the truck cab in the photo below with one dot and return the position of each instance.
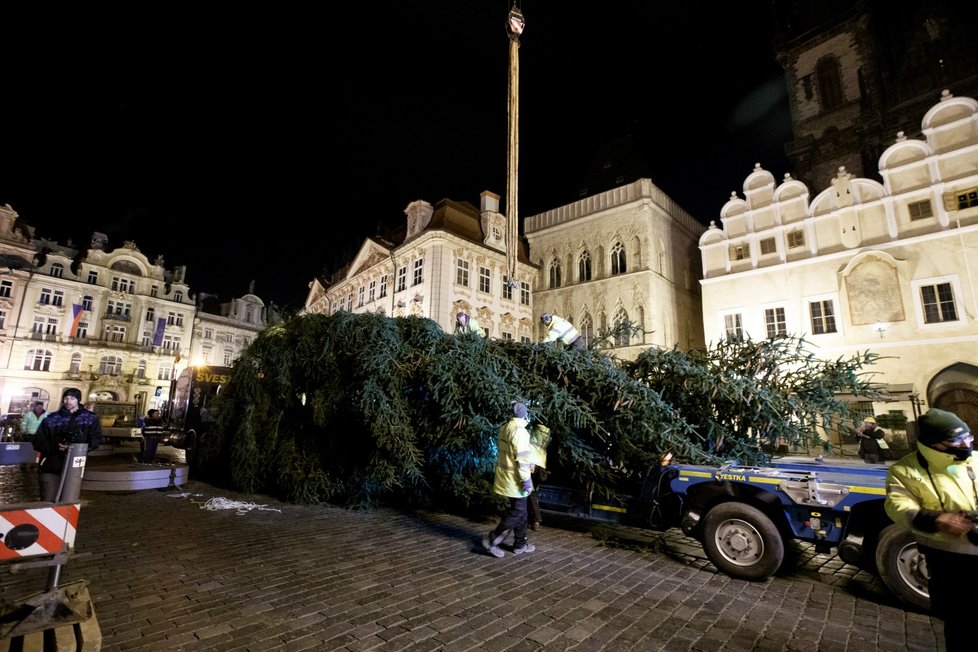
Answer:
(189, 411)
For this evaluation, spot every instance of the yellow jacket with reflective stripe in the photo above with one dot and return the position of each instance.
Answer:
(513, 459)
(561, 329)
(909, 490)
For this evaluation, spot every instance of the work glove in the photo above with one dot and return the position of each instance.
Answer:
(527, 486)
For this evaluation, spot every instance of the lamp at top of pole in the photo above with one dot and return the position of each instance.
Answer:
(515, 23)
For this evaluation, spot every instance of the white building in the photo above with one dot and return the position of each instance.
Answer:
(222, 331)
(111, 323)
(625, 254)
(451, 258)
(862, 265)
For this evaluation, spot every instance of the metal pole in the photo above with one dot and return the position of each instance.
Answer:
(69, 490)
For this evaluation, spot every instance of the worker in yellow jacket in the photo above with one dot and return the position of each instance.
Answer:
(559, 328)
(513, 461)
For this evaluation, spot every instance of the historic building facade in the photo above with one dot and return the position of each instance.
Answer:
(109, 322)
(862, 265)
(449, 258)
(626, 254)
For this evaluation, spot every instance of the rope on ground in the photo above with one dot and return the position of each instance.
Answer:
(215, 504)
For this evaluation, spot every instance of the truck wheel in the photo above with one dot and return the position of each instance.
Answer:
(901, 566)
(742, 541)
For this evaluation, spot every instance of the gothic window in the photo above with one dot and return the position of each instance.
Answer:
(554, 273)
(622, 336)
(584, 267)
(618, 259)
(587, 328)
(828, 76)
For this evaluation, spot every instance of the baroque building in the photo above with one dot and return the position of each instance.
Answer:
(862, 265)
(625, 254)
(110, 322)
(449, 258)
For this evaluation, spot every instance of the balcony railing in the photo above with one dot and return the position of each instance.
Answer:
(117, 316)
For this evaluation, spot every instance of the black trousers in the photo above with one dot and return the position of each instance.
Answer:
(514, 519)
(953, 589)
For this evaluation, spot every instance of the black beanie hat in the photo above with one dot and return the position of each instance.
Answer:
(937, 425)
(71, 391)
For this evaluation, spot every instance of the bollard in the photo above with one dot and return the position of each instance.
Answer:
(71, 475)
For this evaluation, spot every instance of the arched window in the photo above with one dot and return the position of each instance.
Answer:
(110, 365)
(587, 328)
(828, 76)
(38, 360)
(584, 267)
(554, 273)
(621, 336)
(618, 259)
(178, 297)
(75, 365)
(141, 369)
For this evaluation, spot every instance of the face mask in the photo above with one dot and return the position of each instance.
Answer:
(960, 453)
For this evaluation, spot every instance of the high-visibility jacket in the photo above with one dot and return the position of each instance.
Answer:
(472, 326)
(512, 459)
(916, 493)
(561, 329)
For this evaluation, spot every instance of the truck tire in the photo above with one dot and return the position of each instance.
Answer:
(742, 541)
(901, 566)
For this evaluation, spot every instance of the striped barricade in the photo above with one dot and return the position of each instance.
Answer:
(32, 531)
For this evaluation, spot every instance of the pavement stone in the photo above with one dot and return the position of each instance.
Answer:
(200, 568)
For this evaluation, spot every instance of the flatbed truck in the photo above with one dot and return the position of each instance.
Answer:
(744, 516)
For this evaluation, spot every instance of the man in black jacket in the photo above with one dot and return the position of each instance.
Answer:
(72, 424)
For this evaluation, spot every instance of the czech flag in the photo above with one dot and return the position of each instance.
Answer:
(76, 315)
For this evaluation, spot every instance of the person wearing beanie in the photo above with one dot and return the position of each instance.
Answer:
(512, 480)
(465, 323)
(72, 424)
(872, 444)
(930, 491)
(559, 329)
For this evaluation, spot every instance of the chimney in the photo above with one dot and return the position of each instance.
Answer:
(489, 202)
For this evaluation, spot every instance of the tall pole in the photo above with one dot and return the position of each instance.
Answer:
(514, 27)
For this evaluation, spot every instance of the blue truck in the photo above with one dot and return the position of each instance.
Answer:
(744, 516)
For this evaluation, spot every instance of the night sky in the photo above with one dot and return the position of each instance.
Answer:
(265, 143)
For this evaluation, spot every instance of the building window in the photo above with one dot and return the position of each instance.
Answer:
(961, 200)
(507, 336)
(361, 292)
(584, 267)
(823, 317)
(87, 303)
(115, 333)
(228, 358)
(82, 331)
(740, 252)
(124, 285)
(768, 246)
(178, 297)
(828, 79)
(208, 333)
(524, 339)
(418, 278)
(484, 280)
(507, 288)
(733, 326)
(45, 297)
(110, 365)
(249, 315)
(554, 273)
(383, 286)
(51, 328)
(75, 365)
(796, 239)
(938, 303)
(38, 360)
(401, 279)
(462, 273)
(6, 289)
(92, 278)
(622, 336)
(618, 259)
(147, 339)
(524, 293)
(165, 371)
(58, 299)
(150, 314)
(141, 369)
(587, 329)
(775, 323)
(206, 354)
(920, 210)
(57, 270)
(38, 326)
(154, 291)
(372, 292)
(3, 318)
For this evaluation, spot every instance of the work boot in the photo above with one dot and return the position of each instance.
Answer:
(491, 547)
(526, 547)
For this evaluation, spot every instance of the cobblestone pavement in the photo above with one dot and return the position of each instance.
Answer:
(205, 569)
